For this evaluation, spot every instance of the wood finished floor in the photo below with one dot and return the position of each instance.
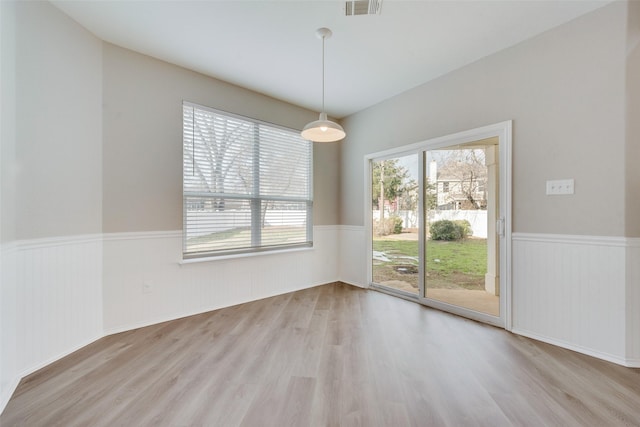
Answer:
(333, 355)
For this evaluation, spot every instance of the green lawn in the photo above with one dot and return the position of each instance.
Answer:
(461, 264)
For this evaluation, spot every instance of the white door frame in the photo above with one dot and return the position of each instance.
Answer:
(503, 131)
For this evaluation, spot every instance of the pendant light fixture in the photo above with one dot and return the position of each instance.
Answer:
(323, 130)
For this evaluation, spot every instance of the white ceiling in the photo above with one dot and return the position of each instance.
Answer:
(271, 47)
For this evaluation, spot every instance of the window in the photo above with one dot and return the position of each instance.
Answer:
(246, 185)
(445, 187)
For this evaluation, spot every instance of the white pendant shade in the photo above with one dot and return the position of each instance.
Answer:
(323, 130)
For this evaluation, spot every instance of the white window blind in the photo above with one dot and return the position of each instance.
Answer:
(246, 184)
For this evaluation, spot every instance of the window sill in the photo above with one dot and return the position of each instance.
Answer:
(244, 255)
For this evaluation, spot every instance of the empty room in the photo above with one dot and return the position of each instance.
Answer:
(320, 213)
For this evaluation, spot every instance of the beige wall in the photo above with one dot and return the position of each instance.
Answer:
(142, 131)
(7, 121)
(565, 92)
(8, 336)
(58, 125)
(96, 133)
(633, 122)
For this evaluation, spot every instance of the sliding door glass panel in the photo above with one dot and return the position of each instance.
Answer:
(460, 202)
(394, 217)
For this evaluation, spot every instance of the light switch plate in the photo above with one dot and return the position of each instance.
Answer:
(560, 187)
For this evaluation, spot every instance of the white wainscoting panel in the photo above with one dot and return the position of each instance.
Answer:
(9, 370)
(570, 291)
(58, 298)
(59, 294)
(144, 283)
(353, 255)
(633, 302)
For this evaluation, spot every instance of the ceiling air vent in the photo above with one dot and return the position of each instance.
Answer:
(363, 7)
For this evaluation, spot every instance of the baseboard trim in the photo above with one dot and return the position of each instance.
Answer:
(350, 283)
(14, 384)
(6, 396)
(138, 325)
(124, 328)
(633, 363)
(629, 363)
(59, 356)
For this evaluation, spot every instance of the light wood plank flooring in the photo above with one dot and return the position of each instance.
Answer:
(333, 355)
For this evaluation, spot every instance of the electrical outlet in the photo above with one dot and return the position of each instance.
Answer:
(560, 187)
(147, 287)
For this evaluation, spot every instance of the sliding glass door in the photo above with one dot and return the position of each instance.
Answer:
(461, 247)
(438, 216)
(395, 207)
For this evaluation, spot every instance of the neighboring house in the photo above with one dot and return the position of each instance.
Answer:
(457, 187)
(454, 193)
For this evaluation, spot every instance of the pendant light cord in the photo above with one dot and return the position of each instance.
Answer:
(323, 37)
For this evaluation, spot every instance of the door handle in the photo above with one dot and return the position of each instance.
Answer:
(500, 227)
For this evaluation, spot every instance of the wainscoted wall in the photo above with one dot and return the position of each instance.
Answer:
(60, 294)
(633, 302)
(9, 371)
(52, 302)
(353, 263)
(145, 284)
(579, 293)
(59, 298)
